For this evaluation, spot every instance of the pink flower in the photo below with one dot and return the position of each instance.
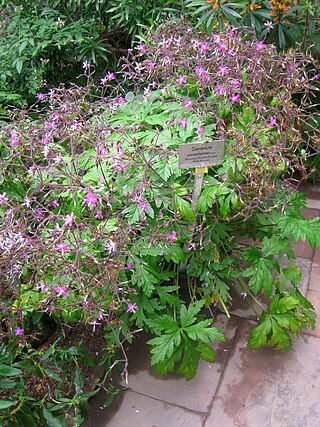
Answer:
(107, 78)
(182, 122)
(235, 83)
(91, 199)
(40, 96)
(18, 331)
(199, 130)
(260, 45)
(63, 247)
(187, 103)
(55, 203)
(132, 308)
(61, 291)
(273, 121)
(220, 90)
(181, 79)
(223, 71)
(172, 236)
(235, 98)
(3, 198)
(204, 47)
(142, 48)
(99, 215)
(200, 71)
(68, 220)
(14, 138)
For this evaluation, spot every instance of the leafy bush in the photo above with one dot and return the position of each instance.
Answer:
(285, 23)
(97, 219)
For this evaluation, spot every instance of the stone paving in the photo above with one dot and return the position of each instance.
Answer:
(243, 388)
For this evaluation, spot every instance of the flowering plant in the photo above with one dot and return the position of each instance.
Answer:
(97, 217)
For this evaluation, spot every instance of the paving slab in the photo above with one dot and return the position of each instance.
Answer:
(314, 298)
(269, 388)
(137, 410)
(195, 394)
(314, 283)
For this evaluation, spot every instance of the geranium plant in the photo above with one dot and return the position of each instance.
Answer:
(97, 222)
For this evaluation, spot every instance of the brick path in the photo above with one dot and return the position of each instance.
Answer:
(243, 388)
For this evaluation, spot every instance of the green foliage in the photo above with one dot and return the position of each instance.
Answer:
(183, 341)
(289, 312)
(282, 23)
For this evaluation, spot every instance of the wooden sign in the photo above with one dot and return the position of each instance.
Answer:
(200, 154)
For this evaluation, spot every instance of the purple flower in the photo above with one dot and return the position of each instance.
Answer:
(260, 45)
(235, 98)
(61, 291)
(68, 220)
(187, 103)
(199, 130)
(182, 122)
(128, 265)
(14, 138)
(181, 79)
(172, 236)
(273, 121)
(220, 90)
(132, 308)
(235, 83)
(3, 198)
(222, 46)
(142, 48)
(204, 47)
(18, 331)
(200, 71)
(40, 96)
(55, 203)
(91, 199)
(107, 78)
(223, 71)
(63, 247)
(99, 215)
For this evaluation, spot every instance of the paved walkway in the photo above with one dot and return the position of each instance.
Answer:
(243, 388)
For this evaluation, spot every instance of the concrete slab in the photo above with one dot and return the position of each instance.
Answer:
(314, 298)
(268, 388)
(314, 283)
(196, 394)
(137, 410)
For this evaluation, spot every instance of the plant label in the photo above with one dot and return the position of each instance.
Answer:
(200, 154)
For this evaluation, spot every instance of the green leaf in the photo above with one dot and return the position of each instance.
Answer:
(283, 304)
(274, 245)
(9, 371)
(201, 331)
(289, 322)
(190, 360)
(184, 207)
(261, 277)
(206, 199)
(52, 374)
(145, 278)
(259, 334)
(6, 384)
(163, 346)
(206, 352)
(168, 364)
(280, 337)
(187, 315)
(163, 323)
(51, 421)
(4, 404)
